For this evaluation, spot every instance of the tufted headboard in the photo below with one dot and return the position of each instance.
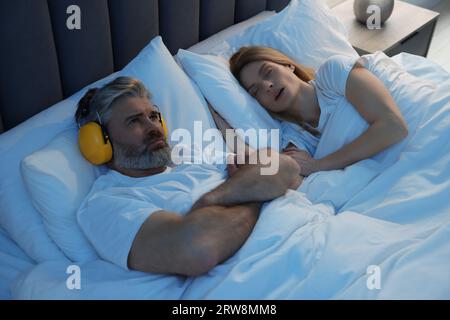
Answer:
(42, 61)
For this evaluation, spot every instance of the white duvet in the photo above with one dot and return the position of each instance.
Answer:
(390, 214)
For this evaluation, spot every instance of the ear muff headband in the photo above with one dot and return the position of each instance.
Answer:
(94, 143)
(164, 126)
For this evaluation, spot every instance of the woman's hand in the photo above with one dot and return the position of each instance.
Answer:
(308, 165)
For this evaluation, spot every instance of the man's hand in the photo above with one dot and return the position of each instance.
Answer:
(247, 184)
(308, 165)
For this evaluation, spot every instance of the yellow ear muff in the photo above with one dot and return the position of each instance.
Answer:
(164, 126)
(94, 146)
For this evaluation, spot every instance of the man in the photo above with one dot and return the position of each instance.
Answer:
(147, 215)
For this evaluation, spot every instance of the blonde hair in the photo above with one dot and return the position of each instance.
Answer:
(246, 55)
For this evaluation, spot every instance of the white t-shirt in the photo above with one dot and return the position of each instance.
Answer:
(117, 205)
(329, 83)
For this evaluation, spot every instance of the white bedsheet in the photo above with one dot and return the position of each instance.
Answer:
(320, 241)
(13, 261)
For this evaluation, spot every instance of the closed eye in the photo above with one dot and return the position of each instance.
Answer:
(265, 70)
(253, 91)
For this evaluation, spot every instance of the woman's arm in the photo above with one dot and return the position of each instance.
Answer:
(386, 124)
(375, 104)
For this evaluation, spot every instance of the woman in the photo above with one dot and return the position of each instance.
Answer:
(291, 92)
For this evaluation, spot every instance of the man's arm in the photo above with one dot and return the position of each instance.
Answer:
(210, 233)
(193, 244)
(235, 144)
(247, 184)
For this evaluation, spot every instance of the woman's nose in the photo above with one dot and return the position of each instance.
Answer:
(268, 86)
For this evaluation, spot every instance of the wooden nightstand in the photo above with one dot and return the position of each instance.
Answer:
(409, 29)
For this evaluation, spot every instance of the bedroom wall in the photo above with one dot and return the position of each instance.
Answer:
(113, 32)
(429, 4)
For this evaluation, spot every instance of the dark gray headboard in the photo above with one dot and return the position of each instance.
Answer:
(43, 62)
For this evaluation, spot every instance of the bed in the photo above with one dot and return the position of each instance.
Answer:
(366, 232)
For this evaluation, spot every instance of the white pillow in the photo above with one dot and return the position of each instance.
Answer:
(18, 216)
(180, 102)
(306, 30)
(217, 42)
(226, 95)
(58, 178)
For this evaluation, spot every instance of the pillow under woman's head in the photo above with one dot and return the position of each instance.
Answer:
(306, 31)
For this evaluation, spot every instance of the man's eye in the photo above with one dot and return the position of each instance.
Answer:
(132, 121)
(153, 117)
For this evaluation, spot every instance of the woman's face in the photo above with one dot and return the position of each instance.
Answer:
(275, 86)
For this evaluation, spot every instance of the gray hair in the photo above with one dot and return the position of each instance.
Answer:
(99, 100)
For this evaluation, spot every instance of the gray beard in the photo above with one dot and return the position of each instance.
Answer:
(128, 158)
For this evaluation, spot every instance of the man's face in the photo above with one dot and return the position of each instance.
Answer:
(137, 135)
